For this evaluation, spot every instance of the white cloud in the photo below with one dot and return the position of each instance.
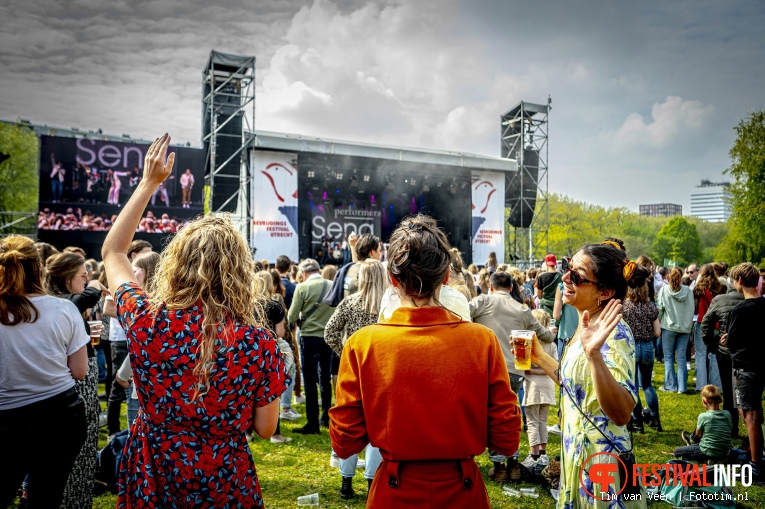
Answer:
(672, 120)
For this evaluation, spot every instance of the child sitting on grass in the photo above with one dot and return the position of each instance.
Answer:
(711, 438)
(538, 395)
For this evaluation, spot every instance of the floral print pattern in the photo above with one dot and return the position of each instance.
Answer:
(184, 453)
(580, 438)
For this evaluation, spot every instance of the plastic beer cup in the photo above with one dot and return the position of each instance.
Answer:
(95, 332)
(522, 342)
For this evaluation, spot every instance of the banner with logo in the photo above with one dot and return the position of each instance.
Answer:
(274, 204)
(488, 193)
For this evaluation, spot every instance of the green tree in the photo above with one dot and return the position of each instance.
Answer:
(677, 240)
(18, 173)
(711, 235)
(746, 239)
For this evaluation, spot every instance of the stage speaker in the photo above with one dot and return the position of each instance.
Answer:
(228, 141)
(521, 190)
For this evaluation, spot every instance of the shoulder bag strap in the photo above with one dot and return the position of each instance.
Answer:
(316, 305)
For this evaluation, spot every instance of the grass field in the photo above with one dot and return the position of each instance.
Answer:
(302, 466)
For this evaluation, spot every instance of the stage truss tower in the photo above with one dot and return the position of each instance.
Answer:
(525, 132)
(228, 112)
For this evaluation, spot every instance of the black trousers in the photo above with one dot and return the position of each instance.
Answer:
(315, 358)
(107, 346)
(726, 377)
(118, 393)
(29, 448)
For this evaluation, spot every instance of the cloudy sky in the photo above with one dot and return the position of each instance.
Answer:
(645, 95)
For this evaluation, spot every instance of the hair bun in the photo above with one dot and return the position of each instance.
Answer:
(629, 271)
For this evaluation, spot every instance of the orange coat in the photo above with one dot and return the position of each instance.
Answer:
(424, 387)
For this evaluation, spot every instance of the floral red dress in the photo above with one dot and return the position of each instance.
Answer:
(184, 453)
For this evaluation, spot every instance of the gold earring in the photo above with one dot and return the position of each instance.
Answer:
(600, 303)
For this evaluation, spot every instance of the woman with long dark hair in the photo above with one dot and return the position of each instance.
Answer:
(641, 315)
(596, 375)
(67, 277)
(708, 286)
(42, 353)
(388, 369)
(205, 370)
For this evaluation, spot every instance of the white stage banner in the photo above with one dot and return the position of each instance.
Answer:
(488, 216)
(274, 199)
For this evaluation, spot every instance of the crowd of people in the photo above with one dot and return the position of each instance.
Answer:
(77, 220)
(209, 347)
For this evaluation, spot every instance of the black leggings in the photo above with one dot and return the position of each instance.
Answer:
(29, 448)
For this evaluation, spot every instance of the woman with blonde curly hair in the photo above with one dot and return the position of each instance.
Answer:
(206, 372)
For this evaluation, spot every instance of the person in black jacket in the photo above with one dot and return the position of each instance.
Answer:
(67, 277)
(713, 326)
(744, 340)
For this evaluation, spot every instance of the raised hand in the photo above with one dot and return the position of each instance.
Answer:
(155, 168)
(593, 335)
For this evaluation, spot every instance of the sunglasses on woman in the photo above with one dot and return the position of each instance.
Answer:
(576, 278)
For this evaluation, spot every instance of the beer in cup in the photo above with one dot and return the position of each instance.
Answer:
(96, 327)
(522, 343)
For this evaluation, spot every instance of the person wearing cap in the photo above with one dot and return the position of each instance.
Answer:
(547, 283)
(309, 310)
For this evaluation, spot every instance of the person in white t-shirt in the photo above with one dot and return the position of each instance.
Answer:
(187, 182)
(42, 353)
(450, 298)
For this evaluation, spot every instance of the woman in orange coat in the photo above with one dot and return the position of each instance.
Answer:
(389, 370)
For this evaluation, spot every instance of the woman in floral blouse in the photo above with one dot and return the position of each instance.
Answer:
(596, 377)
(204, 368)
(354, 312)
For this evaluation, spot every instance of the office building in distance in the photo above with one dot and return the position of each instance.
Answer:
(661, 209)
(711, 201)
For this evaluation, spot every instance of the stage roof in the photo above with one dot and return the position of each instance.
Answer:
(298, 143)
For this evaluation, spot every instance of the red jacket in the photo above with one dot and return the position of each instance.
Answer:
(424, 386)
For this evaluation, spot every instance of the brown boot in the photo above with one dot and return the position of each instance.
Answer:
(513, 471)
(498, 473)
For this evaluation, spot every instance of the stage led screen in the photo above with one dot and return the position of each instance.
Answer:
(84, 184)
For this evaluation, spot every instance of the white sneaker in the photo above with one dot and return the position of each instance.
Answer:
(543, 460)
(278, 439)
(688, 365)
(334, 462)
(529, 462)
(554, 430)
(289, 415)
(299, 400)
(102, 420)
(361, 464)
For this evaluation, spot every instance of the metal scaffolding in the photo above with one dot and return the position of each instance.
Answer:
(228, 129)
(524, 138)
